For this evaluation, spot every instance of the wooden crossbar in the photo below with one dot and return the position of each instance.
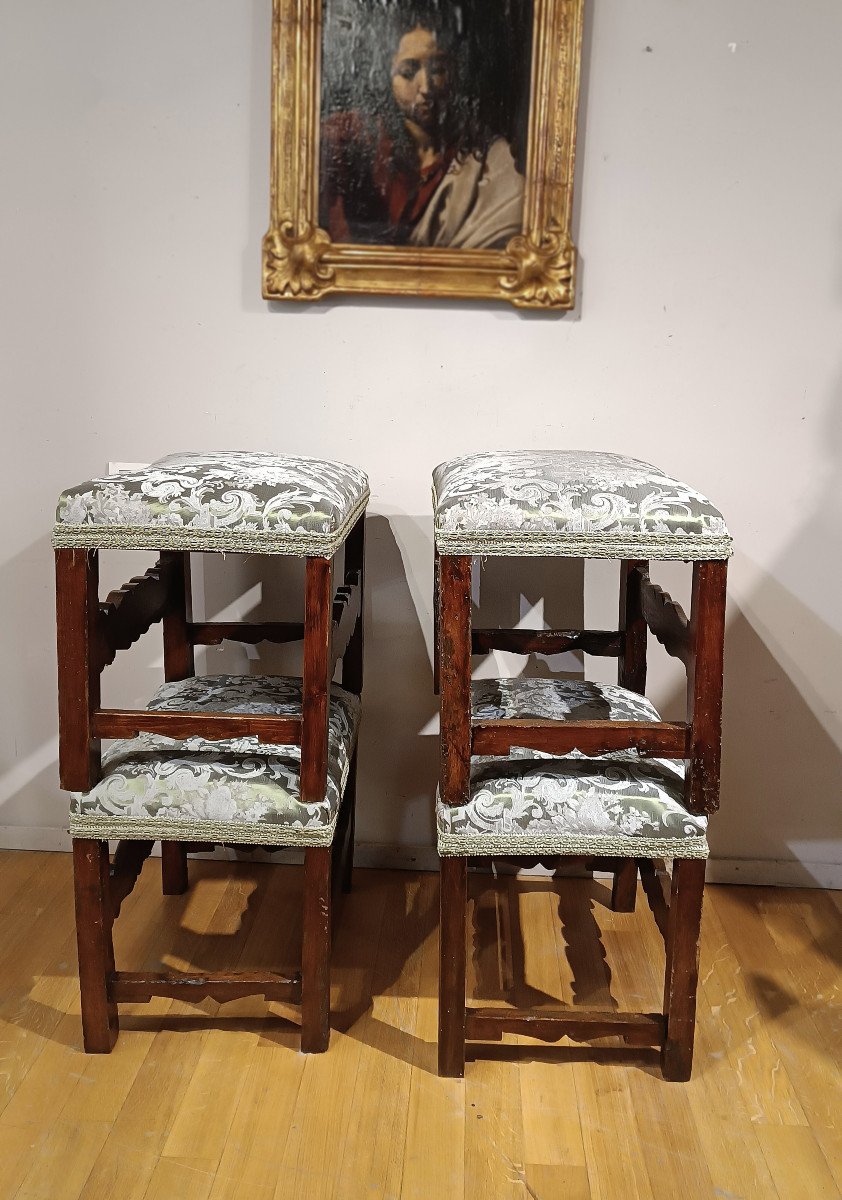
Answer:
(127, 723)
(213, 633)
(601, 642)
(139, 987)
(659, 739)
(551, 1024)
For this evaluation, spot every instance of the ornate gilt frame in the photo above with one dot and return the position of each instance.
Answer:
(538, 267)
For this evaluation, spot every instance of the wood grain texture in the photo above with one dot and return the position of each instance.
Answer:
(704, 685)
(129, 611)
(77, 617)
(127, 723)
(601, 642)
(354, 573)
(95, 949)
(233, 1111)
(179, 659)
(657, 739)
(664, 617)
(632, 667)
(214, 633)
(318, 628)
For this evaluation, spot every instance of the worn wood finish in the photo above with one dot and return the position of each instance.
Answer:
(354, 571)
(129, 611)
(138, 987)
(174, 874)
(665, 618)
(125, 869)
(657, 885)
(436, 593)
(455, 676)
(580, 1025)
(179, 658)
(632, 667)
(315, 951)
(318, 627)
(77, 617)
(658, 739)
(682, 971)
(455, 743)
(631, 674)
(94, 944)
(347, 607)
(179, 663)
(453, 903)
(624, 889)
(128, 722)
(704, 685)
(214, 633)
(600, 642)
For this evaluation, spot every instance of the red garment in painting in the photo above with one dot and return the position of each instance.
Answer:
(366, 193)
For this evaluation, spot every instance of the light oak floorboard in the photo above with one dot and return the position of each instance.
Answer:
(210, 1102)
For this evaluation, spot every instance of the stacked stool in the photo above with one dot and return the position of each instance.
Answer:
(240, 760)
(546, 768)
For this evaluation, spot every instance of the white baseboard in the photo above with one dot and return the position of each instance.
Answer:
(757, 872)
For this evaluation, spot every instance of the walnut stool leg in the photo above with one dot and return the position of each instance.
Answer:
(452, 927)
(682, 974)
(315, 958)
(96, 950)
(174, 868)
(624, 891)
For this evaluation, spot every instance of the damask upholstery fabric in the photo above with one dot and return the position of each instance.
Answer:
(236, 790)
(535, 803)
(252, 503)
(572, 503)
(557, 700)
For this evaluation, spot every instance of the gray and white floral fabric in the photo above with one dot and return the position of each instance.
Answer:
(252, 503)
(234, 790)
(573, 503)
(535, 803)
(557, 700)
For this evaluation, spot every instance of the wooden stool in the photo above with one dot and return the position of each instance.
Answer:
(514, 777)
(260, 761)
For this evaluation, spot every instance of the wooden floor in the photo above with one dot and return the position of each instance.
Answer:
(188, 1108)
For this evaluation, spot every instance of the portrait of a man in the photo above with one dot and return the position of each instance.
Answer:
(423, 121)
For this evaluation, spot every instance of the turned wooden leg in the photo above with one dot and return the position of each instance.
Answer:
(624, 890)
(453, 902)
(682, 973)
(315, 957)
(174, 878)
(96, 951)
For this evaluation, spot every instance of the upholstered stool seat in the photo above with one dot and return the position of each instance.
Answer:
(247, 502)
(535, 803)
(233, 790)
(572, 503)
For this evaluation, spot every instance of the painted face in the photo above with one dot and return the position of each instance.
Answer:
(420, 78)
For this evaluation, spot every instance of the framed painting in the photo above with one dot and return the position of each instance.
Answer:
(424, 148)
